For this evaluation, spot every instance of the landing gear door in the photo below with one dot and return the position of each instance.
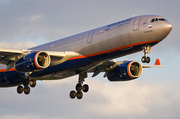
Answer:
(136, 24)
(89, 38)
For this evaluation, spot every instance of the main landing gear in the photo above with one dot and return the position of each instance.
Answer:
(26, 88)
(80, 87)
(146, 50)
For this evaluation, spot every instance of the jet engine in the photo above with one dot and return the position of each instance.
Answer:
(33, 61)
(125, 71)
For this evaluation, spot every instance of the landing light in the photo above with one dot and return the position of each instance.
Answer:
(170, 25)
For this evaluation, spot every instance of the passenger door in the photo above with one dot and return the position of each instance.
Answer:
(89, 38)
(136, 24)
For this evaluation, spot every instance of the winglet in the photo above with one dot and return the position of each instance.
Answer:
(157, 62)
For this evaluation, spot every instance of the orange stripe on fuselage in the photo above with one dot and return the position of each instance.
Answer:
(78, 57)
(3, 70)
(115, 49)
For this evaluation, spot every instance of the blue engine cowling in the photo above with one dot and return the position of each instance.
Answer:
(33, 61)
(125, 71)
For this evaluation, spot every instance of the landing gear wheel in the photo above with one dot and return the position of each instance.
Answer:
(79, 95)
(26, 82)
(32, 83)
(19, 89)
(143, 59)
(148, 59)
(146, 50)
(72, 94)
(85, 88)
(26, 90)
(78, 87)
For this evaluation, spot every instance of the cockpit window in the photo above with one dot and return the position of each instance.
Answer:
(162, 19)
(158, 19)
(152, 20)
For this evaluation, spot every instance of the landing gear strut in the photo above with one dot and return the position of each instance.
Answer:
(80, 87)
(26, 88)
(146, 50)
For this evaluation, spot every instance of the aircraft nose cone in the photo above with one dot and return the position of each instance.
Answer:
(168, 27)
(163, 30)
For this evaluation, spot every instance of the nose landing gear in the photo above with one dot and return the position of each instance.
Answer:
(146, 50)
(80, 87)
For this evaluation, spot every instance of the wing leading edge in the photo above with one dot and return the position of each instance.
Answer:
(9, 56)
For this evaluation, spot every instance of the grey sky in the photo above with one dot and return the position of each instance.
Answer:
(26, 23)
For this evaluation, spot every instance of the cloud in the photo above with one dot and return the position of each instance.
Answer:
(19, 45)
(30, 19)
(133, 99)
(19, 117)
(35, 17)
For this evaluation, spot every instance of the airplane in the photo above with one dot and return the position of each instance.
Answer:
(92, 51)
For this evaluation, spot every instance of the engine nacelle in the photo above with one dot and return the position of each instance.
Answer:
(33, 61)
(126, 71)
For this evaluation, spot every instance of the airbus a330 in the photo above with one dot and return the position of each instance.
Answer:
(87, 52)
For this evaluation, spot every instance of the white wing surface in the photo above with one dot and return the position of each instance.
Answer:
(9, 56)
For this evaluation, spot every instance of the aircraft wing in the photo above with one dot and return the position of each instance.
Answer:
(10, 56)
(108, 65)
(157, 64)
(102, 67)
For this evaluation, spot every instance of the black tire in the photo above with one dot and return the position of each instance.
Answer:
(26, 90)
(148, 59)
(72, 94)
(32, 83)
(26, 82)
(79, 95)
(78, 87)
(143, 59)
(20, 89)
(85, 88)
